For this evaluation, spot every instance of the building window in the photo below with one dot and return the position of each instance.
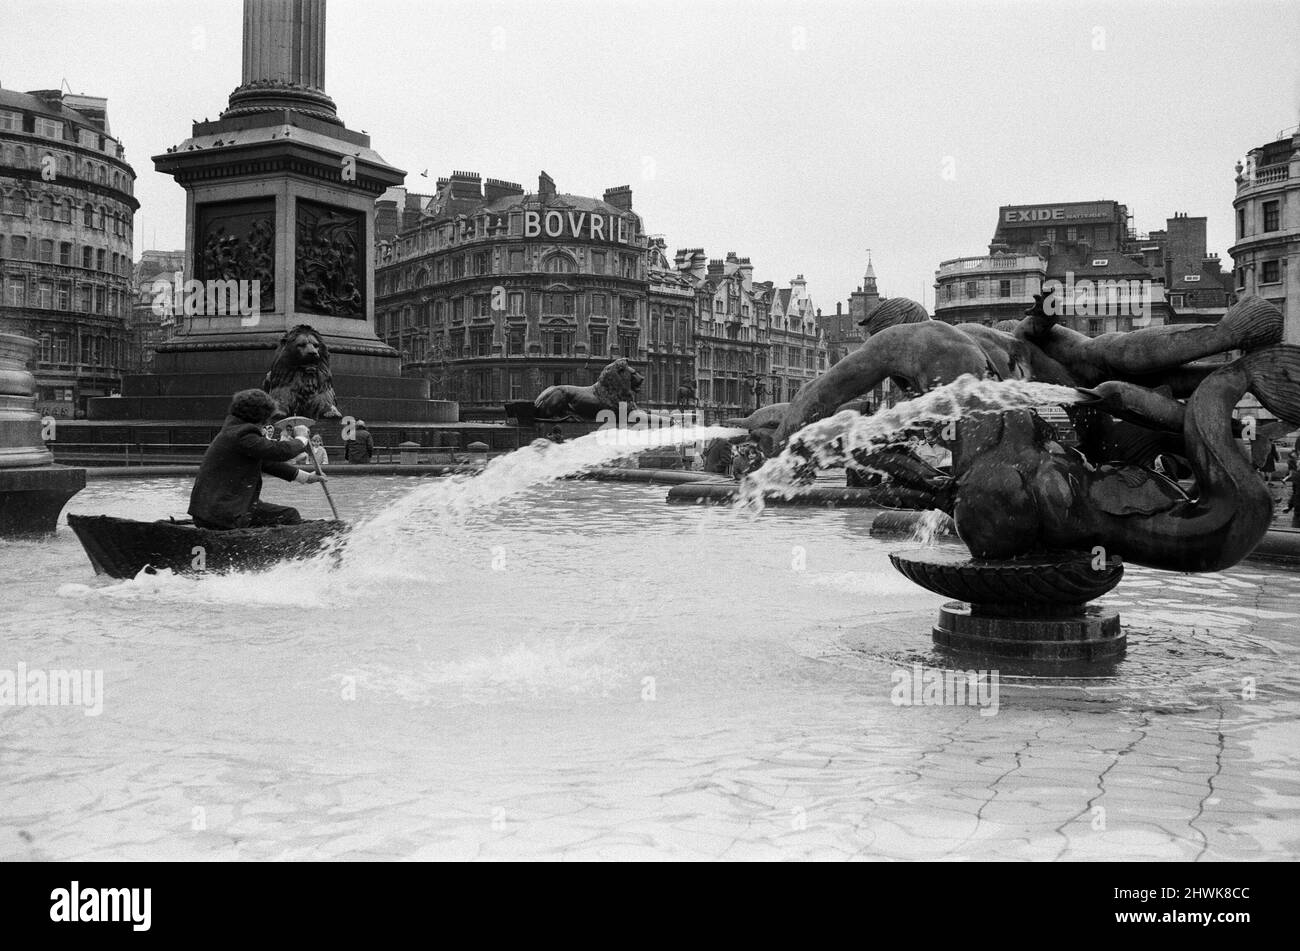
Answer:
(516, 345)
(46, 251)
(627, 308)
(49, 128)
(1049, 235)
(17, 292)
(11, 121)
(556, 341)
(1272, 215)
(65, 253)
(65, 296)
(482, 264)
(45, 295)
(558, 264)
(1272, 273)
(516, 385)
(481, 341)
(627, 344)
(516, 304)
(1004, 288)
(458, 266)
(516, 260)
(1071, 234)
(600, 305)
(100, 257)
(1241, 278)
(1241, 222)
(598, 262)
(972, 288)
(557, 304)
(1094, 326)
(598, 343)
(482, 305)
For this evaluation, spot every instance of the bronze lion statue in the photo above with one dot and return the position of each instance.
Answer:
(617, 383)
(299, 378)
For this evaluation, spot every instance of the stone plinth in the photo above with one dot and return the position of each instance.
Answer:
(32, 491)
(280, 211)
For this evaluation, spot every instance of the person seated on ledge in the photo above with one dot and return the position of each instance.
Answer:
(227, 491)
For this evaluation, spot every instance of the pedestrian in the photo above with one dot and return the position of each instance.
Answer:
(717, 457)
(361, 447)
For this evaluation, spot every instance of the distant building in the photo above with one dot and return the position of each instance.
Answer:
(731, 333)
(1108, 277)
(147, 326)
(67, 205)
(1266, 257)
(843, 331)
(799, 351)
(670, 337)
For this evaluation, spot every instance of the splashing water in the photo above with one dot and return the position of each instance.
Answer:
(932, 524)
(451, 501)
(831, 443)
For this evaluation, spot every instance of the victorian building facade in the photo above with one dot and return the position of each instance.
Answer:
(670, 338)
(67, 206)
(493, 294)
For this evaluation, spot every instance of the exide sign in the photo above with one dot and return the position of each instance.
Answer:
(1052, 214)
(575, 224)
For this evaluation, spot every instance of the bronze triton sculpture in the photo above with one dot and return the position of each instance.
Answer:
(1018, 496)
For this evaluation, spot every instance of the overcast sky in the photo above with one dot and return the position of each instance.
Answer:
(797, 134)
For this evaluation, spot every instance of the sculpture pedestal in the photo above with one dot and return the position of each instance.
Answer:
(32, 491)
(31, 499)
(1031, 609)
(1093, 633)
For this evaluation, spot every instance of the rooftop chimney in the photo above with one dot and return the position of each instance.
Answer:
(545, 187)
(620, 197)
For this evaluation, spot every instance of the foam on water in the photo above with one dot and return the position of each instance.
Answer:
(830, 443)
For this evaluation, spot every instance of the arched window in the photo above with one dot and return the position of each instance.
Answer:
(45, 208)
(559, 263)
(88, 216)
(422, 278)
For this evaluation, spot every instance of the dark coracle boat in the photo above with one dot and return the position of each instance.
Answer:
(122, 548)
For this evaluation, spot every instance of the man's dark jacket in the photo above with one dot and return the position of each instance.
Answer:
(229, 482)
(361, 448)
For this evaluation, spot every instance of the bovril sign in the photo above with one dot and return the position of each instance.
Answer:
(576, 224)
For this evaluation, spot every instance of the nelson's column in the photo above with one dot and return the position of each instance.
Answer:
(278, 191)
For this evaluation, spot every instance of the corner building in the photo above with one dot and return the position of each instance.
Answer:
(66, 209)
(493, 294)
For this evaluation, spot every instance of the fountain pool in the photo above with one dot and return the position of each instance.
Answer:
(579, 671)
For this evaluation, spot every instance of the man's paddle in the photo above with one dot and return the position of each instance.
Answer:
(289, 421)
